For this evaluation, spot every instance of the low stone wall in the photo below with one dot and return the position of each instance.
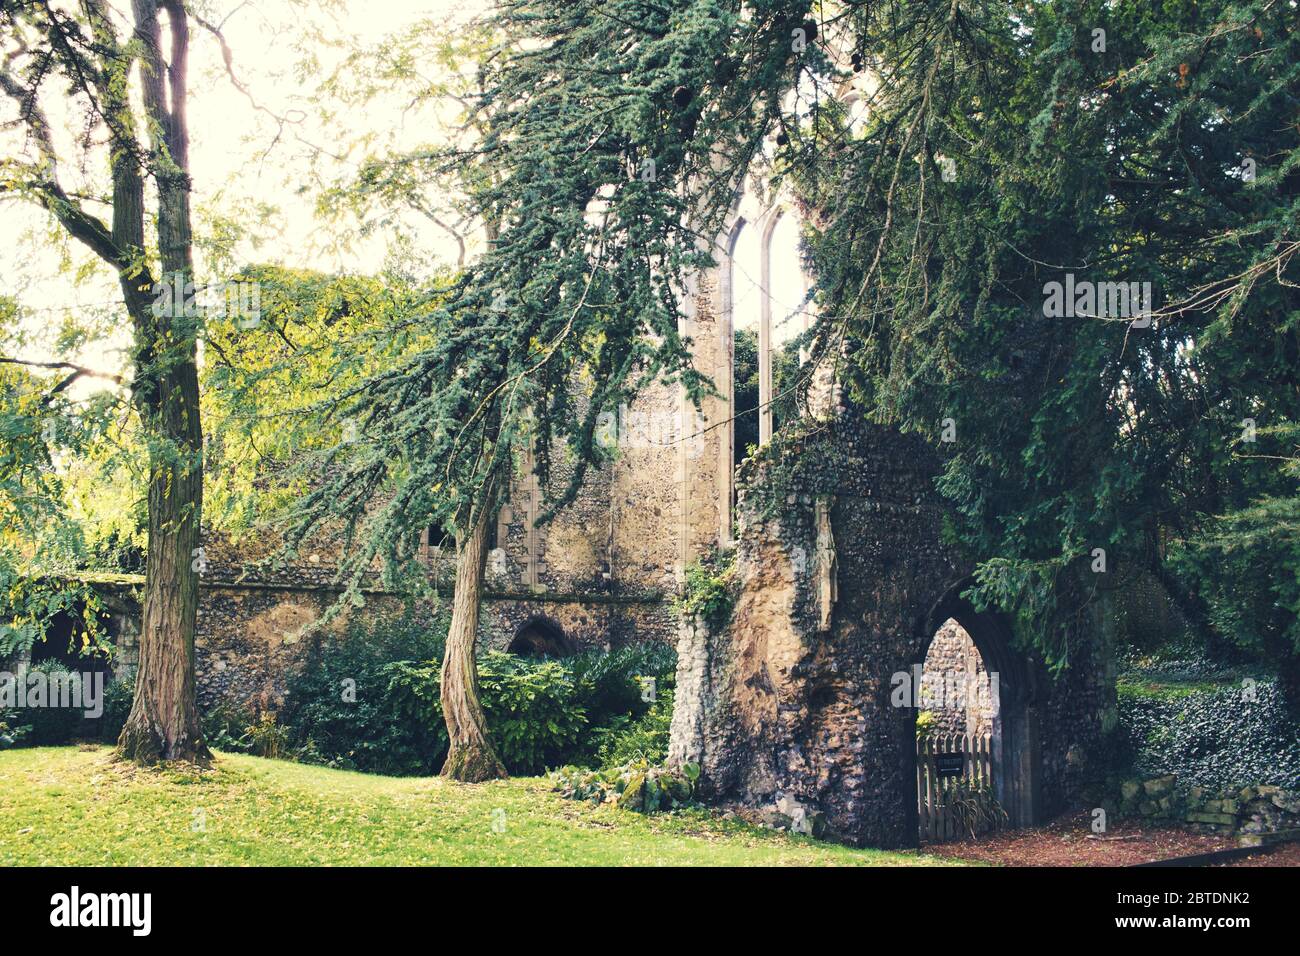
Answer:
(249, 637)
(1247, 811)
(592, 622)
(248, 641)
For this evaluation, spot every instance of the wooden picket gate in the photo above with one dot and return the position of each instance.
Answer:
(938, 819)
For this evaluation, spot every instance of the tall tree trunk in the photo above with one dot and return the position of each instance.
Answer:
(163, 723)
(471, 757)
(164, 719)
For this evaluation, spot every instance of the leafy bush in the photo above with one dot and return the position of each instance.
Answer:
(618, 690)
(48, 726)
(268, 738)
(118, 697)
(644, 738)
(637, 786)
(347, 707)
(710, 589)
(51, 726)
(12, 731)
(225, 728)
(533, 714)
(1214, 738)
(365, 704)
(976, 808)
(615, 683)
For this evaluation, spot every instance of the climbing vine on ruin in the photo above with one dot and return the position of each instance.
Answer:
(709, 591)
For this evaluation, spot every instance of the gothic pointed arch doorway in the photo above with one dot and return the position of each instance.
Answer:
(981, 740)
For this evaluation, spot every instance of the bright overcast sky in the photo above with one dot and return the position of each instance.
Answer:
(232, 168)
(239, 165)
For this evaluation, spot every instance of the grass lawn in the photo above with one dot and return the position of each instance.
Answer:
(78, 807)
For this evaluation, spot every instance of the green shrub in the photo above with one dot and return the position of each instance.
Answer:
(268, 738)
(637, 786)
(225, 728)
(12, 730)
(51, 726)
(643, 738)
(617, 690)
(710, 589)
(976, 808)
(615, 683)
(48, 726)
(532, 709)
(118, 697)
(348, 708)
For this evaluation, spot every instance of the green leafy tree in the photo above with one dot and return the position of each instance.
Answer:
(271, 392)
(1005, 145)
(1010, 145)
(40, 539)
(131, 92)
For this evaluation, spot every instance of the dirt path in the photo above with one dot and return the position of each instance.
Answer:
(1069, 841)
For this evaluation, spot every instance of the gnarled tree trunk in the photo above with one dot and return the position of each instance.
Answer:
(471, 757)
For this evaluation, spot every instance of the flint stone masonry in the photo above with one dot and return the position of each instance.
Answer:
(774, 709)
(249, 637)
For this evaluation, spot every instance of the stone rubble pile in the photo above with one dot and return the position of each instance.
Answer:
(1255, 813)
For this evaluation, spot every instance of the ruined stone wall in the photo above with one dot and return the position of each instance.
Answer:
(788, 704)
(569, 553)
(662, 502)
(645, 494)
(669, 492)
(248, 641)
(706, 450)
(591, 622)
(249, 638)
(1146, 616)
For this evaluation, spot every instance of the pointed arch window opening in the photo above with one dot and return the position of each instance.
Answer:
(764, 300)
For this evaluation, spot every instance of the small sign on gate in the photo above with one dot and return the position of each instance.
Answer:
(949, 765)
